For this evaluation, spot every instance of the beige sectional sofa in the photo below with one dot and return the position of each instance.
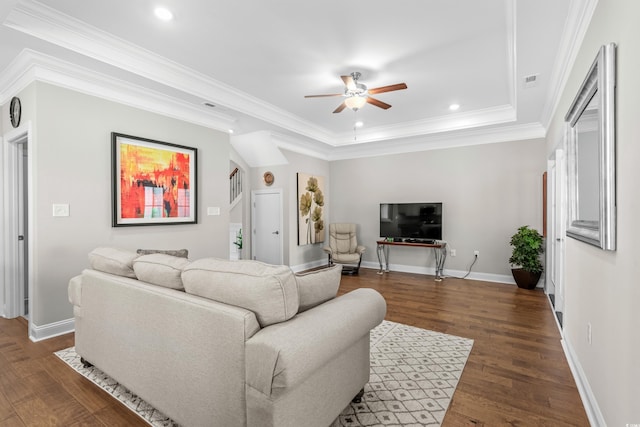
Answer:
(213, 342)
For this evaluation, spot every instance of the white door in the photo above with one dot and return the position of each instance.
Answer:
(266, 226)
(557, 214)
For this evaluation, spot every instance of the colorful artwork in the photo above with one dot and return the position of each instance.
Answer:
(153, 182)
(310, 209)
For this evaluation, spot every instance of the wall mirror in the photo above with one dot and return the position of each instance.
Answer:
(590, 125)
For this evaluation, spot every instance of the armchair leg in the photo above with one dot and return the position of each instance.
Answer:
(358, 397)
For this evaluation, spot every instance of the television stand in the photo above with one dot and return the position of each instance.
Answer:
(439, 251)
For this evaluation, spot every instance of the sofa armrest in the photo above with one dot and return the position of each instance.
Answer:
(283, 355)
(360, 249)
(328, 250)
(74, 290)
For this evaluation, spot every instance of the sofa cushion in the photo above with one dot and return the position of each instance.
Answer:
(270, 291)
(318, 286)
(113, 261)
(182, 253)
(160, 269)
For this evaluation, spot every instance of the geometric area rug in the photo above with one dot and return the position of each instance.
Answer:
(414, 373)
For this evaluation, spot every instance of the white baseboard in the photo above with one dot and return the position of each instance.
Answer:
(39, 333)
(486, 277)
(586, 394)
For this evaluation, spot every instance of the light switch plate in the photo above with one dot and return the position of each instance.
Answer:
(60, 209)
(213, 211)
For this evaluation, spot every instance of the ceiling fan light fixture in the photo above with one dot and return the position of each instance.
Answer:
(355, 102)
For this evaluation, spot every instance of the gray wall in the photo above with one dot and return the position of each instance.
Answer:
(72, 164)
(601, 287)
(487, 192)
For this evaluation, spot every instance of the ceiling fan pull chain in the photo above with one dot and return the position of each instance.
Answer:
(355, 126)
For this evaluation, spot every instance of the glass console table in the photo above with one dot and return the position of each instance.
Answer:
(439, 252)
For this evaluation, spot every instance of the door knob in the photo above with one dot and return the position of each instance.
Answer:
(275, 232)
(20, 238)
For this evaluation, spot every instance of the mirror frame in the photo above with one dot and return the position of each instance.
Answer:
(600, 82)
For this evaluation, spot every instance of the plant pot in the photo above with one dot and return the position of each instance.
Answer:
(525, 279)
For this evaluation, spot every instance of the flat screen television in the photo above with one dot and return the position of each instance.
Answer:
(419, 221)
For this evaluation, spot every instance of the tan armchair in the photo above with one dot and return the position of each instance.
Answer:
(343, 247)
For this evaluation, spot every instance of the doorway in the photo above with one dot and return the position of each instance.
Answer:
(266, 226)
(557, 230)
(16, 236)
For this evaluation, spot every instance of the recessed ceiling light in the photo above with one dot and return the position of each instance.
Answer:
(231, 131)
(454, 107)
(359, 124)
(163, 14)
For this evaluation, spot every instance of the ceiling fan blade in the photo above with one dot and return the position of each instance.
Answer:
(389, 88)
(324, 96)
(340, 108)
(348, 82)
(378, 103)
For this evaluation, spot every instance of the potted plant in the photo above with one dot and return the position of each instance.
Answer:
(238, 243)
(525, 258)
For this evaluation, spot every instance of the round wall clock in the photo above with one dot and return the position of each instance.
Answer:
(15, 111)
(268, 178)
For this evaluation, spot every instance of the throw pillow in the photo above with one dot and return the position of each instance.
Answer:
(182, 253)
(318, 286)
(161, 269)
(113, 261)
(269, 291)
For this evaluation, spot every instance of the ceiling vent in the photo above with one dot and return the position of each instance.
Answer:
(530, 80)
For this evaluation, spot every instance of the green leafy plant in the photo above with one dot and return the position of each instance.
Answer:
(527, 247)
(238, 241)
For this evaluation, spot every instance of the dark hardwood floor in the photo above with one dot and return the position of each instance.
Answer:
(516, 375)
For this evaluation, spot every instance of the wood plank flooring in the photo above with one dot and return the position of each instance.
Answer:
(516, 375)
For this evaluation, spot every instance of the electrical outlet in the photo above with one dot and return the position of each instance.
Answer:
(477, 254)
(589, 333)
(453, 252)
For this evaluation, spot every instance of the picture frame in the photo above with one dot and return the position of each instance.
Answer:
(591, 142)
(153, 182)
(311, 208)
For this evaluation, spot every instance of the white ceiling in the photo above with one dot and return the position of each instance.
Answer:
(256, 60)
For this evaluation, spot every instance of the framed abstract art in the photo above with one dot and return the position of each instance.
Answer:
(311, 206)
(153, 182)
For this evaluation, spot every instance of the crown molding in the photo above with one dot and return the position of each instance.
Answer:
(441, 141)
(43, 22)
(46, 23)
(576, 25)
(30, 66)
(454, 122)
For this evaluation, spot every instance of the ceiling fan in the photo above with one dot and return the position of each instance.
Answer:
(357, 94)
